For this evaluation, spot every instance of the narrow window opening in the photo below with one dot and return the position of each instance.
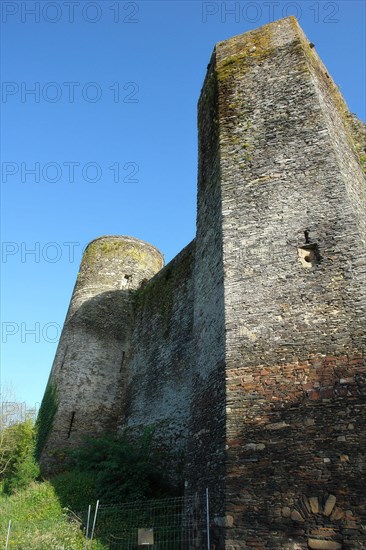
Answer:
(63, 358)
(71, 423)
(122, 361)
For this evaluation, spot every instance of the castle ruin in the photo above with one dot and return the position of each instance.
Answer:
(246, 353)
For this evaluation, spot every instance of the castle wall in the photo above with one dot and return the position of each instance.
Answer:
(159, 380)
(205, 465)
(294, 284)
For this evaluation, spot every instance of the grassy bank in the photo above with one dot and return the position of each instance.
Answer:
(39, 522)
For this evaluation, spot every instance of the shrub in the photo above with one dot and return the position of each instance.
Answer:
(18, 466)
(75, 489)
(121, 470)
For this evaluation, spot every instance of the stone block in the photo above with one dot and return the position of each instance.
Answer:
(316, 544)
(336, 514)
(314, 504)
(329, 505)
(296, 516)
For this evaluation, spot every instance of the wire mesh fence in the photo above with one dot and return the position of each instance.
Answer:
(180, 523)
(165, 524)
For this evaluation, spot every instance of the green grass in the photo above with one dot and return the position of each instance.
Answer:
(39, 522)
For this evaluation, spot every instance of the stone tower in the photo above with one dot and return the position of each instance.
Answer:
(89, 367)
(280, 299)
(247, 351)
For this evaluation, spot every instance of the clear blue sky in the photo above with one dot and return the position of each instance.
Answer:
(146, 60)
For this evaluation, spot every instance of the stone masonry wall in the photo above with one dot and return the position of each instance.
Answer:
(159, 365)
(294, 264)
(206, 446)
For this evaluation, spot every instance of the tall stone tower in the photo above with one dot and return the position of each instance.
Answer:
(89, 370)
(278, 423)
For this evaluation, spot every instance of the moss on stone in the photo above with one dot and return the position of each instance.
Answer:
(157, 295)
(258, 47)
(45, 417)
(116, 247)
(363, 161)
(358, 132)
(122, 249)
(314, 64)
(319, 69)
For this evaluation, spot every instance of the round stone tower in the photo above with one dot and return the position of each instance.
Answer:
(86, 387)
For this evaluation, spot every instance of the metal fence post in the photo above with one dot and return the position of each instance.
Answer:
(94, 522)
(208, 520)
(87, 528)
(8, 535)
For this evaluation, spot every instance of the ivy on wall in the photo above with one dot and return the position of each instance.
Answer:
(45, 418)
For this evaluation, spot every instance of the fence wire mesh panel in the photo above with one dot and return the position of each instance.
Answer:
(164, 524)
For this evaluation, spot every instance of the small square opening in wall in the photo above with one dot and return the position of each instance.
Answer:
(126, 280)
(145, 537)
(308, 255)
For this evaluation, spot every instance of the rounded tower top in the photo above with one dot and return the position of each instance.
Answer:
(112, 263)
(119, 262)
(108, 242)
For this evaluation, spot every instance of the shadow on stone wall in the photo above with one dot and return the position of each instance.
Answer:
(296, 469)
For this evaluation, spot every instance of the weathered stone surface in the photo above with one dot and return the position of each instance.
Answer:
(329, 505)
(296, 516)
(306, 504)
(277, 426)
(160, 376)
(255, 446)
(286, 512)
(337, 514)
(225, 521)
(314, 504)
(89, 370)
(316, 544)
(282, 365)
